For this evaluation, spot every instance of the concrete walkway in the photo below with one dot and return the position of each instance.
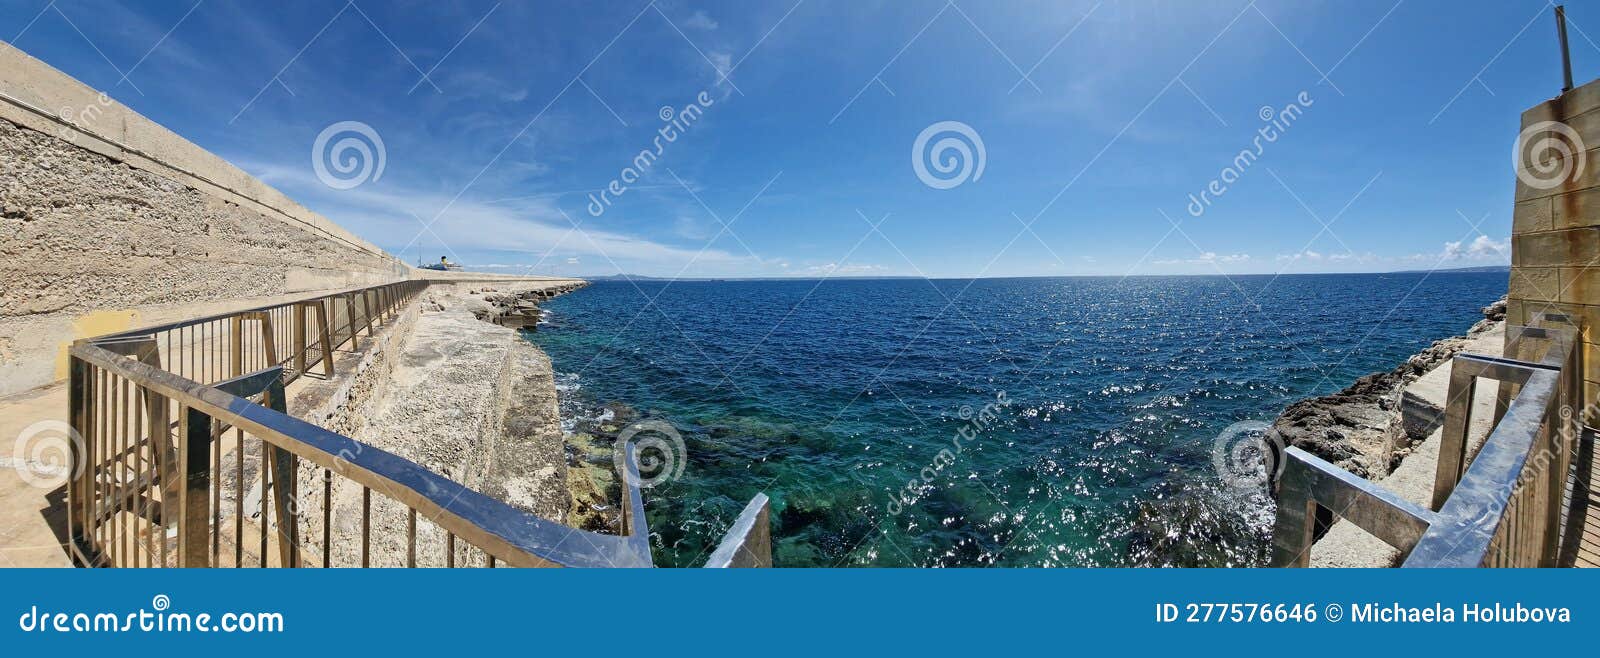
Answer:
(32, 518)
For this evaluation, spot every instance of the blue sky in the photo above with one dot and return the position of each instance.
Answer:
(1097, 121)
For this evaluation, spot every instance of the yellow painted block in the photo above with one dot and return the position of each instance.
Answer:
(98, 323)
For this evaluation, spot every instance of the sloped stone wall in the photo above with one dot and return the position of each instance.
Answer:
(109, 222)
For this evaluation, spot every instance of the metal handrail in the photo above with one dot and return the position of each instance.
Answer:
(1502, 509)
(748, 544)
(517, 537)
(177, 324)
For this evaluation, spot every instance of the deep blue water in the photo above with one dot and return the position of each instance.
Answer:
(830, 396)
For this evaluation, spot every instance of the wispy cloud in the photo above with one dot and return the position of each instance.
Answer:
(533, 225)
(1483, 249)
(1207, 258)
(700, 21)
(836, 269)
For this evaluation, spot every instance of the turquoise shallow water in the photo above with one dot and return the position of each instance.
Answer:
(1086, 409)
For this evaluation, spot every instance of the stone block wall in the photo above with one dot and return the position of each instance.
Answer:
(1555, 233)
(109, 221)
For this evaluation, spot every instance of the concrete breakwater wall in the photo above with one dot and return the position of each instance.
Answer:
(109, 221)
(461, 393)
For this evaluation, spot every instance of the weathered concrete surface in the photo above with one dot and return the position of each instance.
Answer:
(107, 219)
(470, 400)
(31, 516)
(1345, 545)
(35, 95)
(447, 396)
(88, 246)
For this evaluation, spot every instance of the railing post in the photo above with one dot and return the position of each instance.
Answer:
(748, 543)
(350, 319)
(92, 453)
(269, 340)
(366, 310)
(194, 500)
(1460, 396)
(282, 465)
(325, 334)
(236, 345)
(300, 338)
(1292, 532)
(78, 396)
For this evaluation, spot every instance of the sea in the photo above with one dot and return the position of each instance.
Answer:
(1026, 422)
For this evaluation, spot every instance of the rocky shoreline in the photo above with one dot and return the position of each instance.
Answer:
(1371, 425)
(517, 310)
(465, 395)
(583, 463)
(1367, 428)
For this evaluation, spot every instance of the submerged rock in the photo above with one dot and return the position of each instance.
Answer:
(1201, 527)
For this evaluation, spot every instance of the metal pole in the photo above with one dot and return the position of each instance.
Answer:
(194, 513)
(1566, 58)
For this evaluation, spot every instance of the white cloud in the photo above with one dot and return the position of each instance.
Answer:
(478, 84)
(690, 228)
(700, 21)
(723, 63)
(1303, 255)
(835, 269)
(1482, 248)
(1207, 258)
(534, 225)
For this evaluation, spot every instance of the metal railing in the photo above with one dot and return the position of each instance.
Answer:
(1503, 507)
(748, 544)
(188, 458)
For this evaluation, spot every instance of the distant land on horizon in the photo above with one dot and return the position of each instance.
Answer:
(641, 277)
(1480, 268)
